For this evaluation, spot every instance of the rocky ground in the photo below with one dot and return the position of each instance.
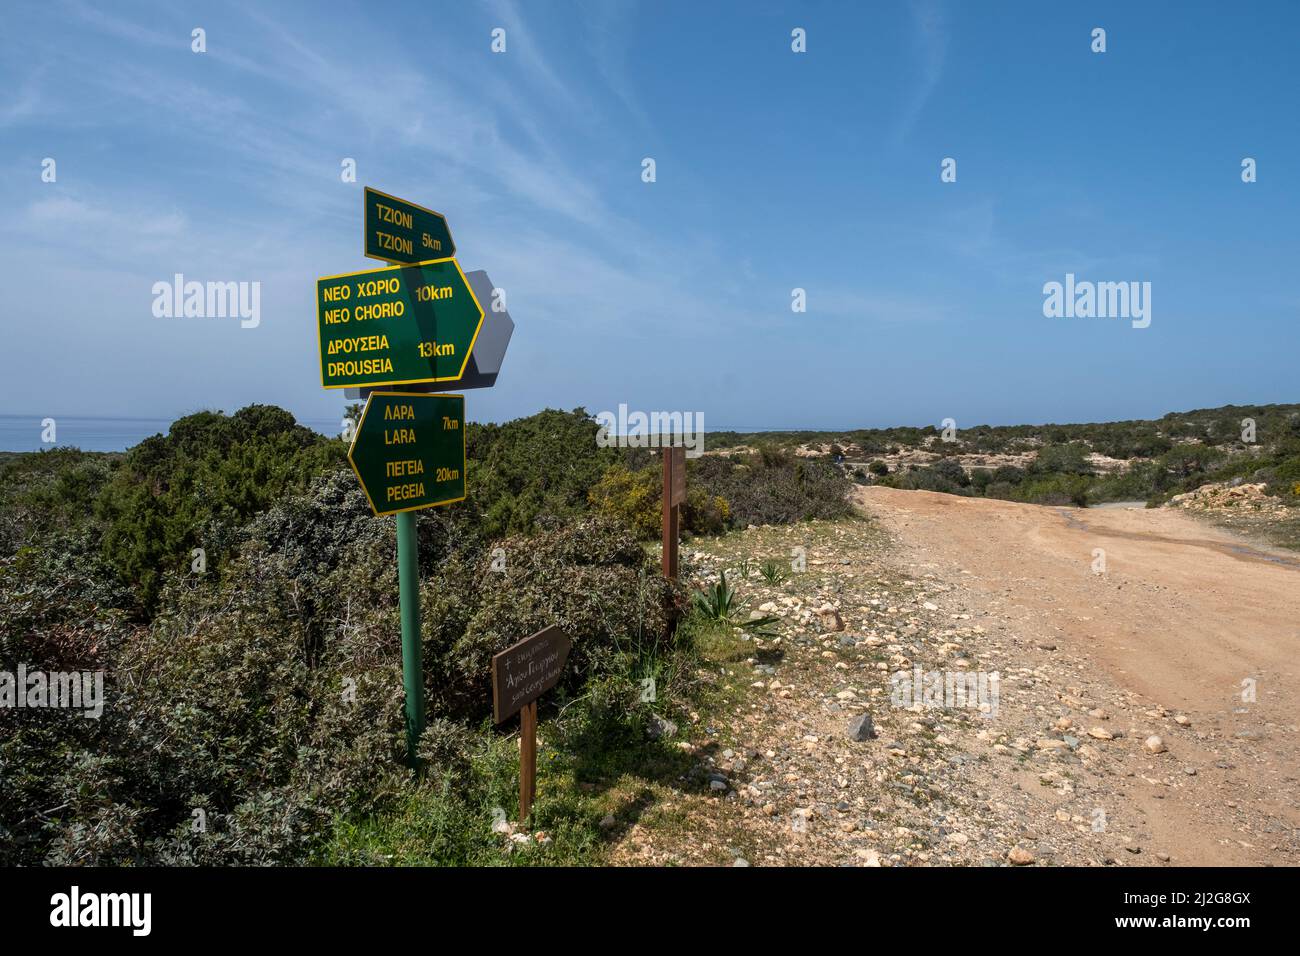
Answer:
(1245, 496)
(1246, 509)
(815, 762)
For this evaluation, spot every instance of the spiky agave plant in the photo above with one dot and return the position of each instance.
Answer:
(772, 573)
(720, 602)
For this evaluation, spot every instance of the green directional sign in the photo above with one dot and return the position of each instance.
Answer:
(396, 326)
(401, 231)
(409, 451)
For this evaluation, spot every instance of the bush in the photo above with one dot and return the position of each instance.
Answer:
(950, 470)
(1067, 459)
(703, 513)
(633, 497)
(772, 487)
(208, 476)
(46, 492)
(540, 467)
(1055, 490)
(265, 703)
(591, 578)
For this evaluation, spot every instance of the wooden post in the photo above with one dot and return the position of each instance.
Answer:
(520, 674)
(671, 519)
(527, 759)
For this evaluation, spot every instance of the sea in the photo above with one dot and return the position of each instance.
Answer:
(95, 433)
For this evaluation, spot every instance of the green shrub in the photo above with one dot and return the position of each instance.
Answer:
(704, 513)
(636, 499)
(540, 467)
(266, 701)
(591, 578)
(1054, 490)
(633, 497)
(191, 488)
(772, 487)
(1066, 459)
(47, 492)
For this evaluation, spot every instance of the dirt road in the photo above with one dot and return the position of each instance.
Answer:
(1169, 618)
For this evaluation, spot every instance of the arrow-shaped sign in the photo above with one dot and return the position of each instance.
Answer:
(489, 348)
(401, 231)
(409, 451)
(396, 326)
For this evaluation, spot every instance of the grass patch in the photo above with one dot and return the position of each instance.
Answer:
(599, 773)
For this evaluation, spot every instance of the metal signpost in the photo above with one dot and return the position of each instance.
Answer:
(415, 323)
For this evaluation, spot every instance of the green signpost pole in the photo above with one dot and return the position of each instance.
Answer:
(408, 451)
(413, 322)
(408, 582)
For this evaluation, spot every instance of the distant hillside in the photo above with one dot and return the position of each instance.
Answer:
(1125, 439)
(1140, 460)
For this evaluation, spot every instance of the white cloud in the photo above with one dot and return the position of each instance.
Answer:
(931, 44)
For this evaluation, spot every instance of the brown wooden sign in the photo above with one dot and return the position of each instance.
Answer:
(678, 456)
(520, 674)
(527, 670)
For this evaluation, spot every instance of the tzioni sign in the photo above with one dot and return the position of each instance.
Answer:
(400, 231)
(396, 326)
(409, 451)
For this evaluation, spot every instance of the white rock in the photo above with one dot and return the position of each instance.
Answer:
(1019, 856)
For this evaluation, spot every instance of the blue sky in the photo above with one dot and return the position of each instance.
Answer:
(775, 170)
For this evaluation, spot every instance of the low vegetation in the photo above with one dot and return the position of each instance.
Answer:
(240, 599)
(1148, 461)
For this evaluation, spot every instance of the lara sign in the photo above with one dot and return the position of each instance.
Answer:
(409, 451)
(396, 326)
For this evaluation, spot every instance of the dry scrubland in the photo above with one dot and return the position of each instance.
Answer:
(1120, 736)
(265, 691)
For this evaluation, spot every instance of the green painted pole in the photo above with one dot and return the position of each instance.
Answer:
(408, 582)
